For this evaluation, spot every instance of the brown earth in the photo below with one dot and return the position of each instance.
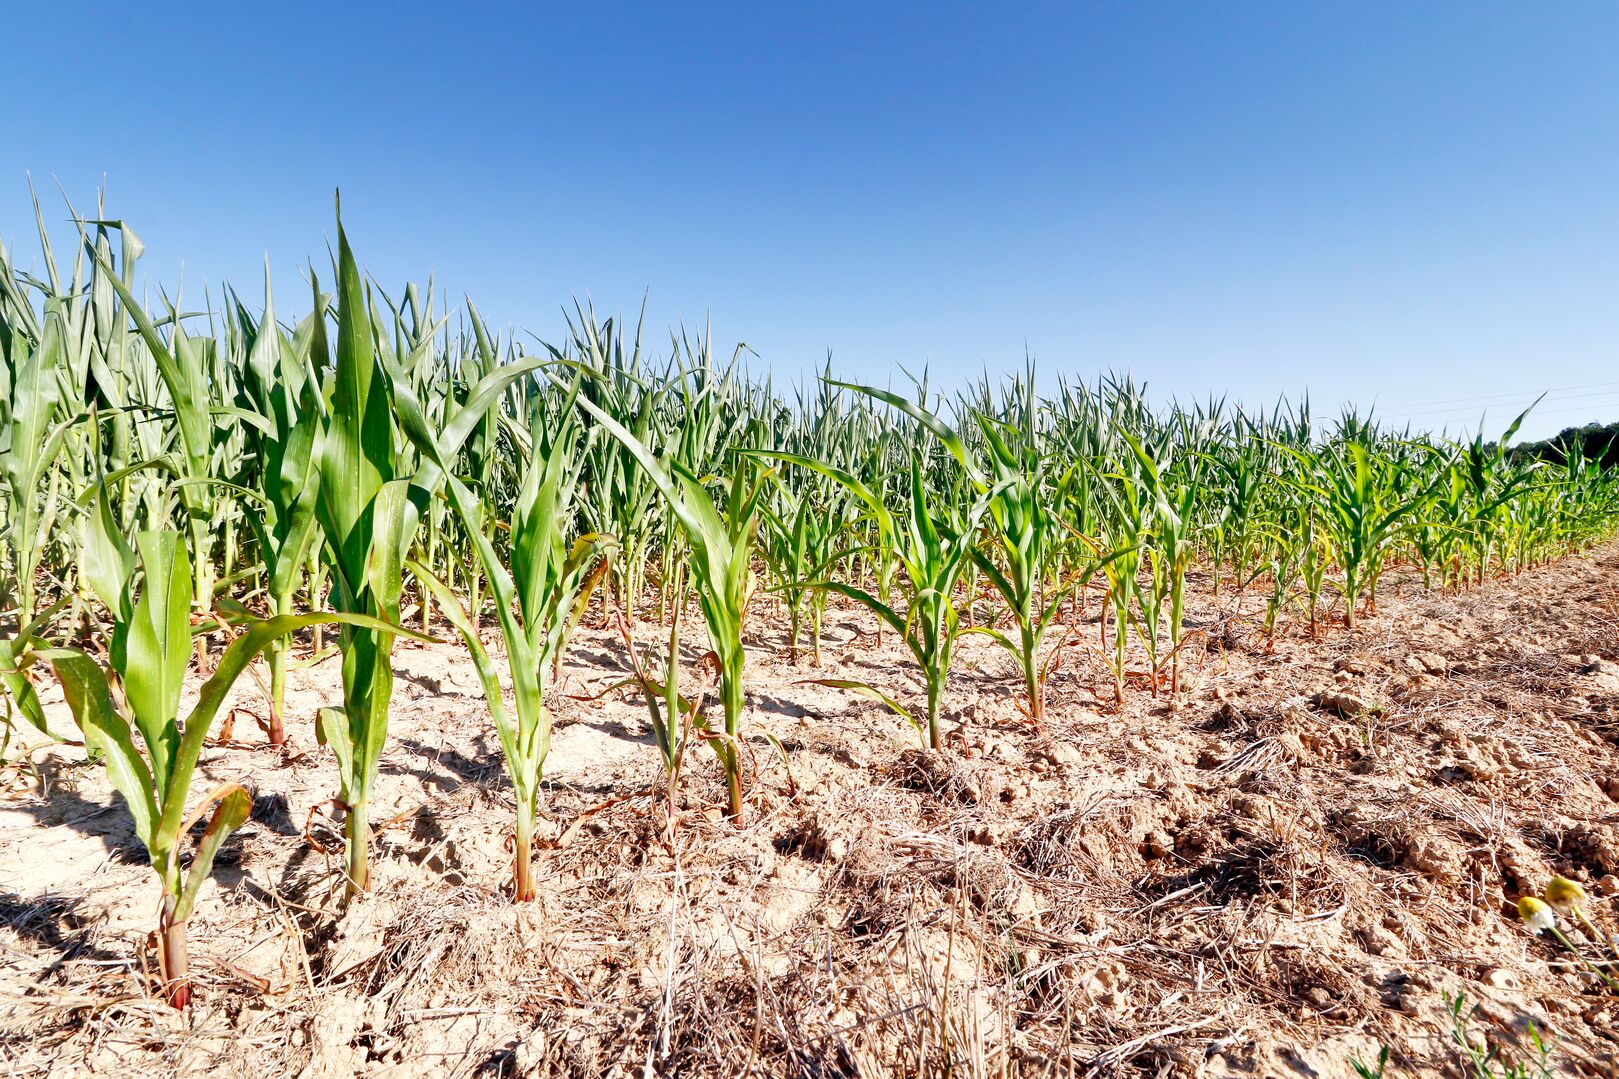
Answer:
(1291, 866)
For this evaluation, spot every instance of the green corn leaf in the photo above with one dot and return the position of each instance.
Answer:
(106, 562)
(107, 735)
(232, 805)
(866, 690)
(860, 595)
(357, 452)
(332, 731)
(19, 691)
(153, 653)
(393, 518)
(942, 431)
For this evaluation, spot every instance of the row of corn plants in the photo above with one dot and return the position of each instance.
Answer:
(187, 486)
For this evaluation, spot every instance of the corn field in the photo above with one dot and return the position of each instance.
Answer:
(195, 487)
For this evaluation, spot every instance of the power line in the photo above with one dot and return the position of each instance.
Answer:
(1518, 403)
(1525, 395)
(1559, 411)
(1592, 415)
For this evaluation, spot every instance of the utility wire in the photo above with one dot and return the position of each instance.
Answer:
(1525, 395)
(1520, 403)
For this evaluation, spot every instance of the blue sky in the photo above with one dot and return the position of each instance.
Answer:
(1413, 204)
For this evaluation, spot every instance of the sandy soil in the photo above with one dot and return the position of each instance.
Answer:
(1291, 866)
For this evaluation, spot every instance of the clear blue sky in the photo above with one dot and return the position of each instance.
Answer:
(1416, 204)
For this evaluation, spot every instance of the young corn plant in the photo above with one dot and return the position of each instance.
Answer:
(1435, 530)
(539, 591)
(1316, 556)
(1364, 495)
(366, 519)
(1028, 540)
(1126, 528)
(1025, 532)
(785, 544)
(1493, 482)
(1174, 499)
(799, 537)
(368, 511)
(282, 389)
(933, 547)
(32, 432)
(672, 715)
(720, 555)
(185, 363)
(140, 697)
(1242, 476)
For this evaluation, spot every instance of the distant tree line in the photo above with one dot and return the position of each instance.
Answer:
(1599, 443)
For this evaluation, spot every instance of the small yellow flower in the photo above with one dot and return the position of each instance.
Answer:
(1536, 915)
(1570, 899)
(1565, 894)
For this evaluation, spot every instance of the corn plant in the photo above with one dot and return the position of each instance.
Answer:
(1126, 529)
(1240, 490)
(1317, 556)
(184, 363)
(1435, 530)
(32, 432)
(1492, 482)
(1364, 495)
(1299, 558)
(932, 546)
(1025, 533)
(1174, 501)
(537, 600)
(799, 538)
(671, 715)
(140, 696)
(1082, 440)
(368, 511)
(721, 545)
(282, 389)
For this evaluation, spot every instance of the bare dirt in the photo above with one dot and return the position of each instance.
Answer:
(1289, 867)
